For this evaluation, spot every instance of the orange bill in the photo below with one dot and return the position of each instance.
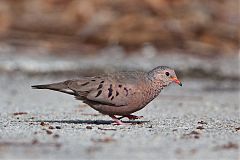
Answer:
(176, 81)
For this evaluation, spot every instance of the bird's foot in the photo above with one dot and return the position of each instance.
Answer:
(117, 121)
(133, 117)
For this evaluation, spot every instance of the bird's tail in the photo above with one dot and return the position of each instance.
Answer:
(60, 87)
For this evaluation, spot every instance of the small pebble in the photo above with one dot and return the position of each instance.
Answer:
(42, 124)
(50, 127)
(58, 127)
(202, 122)
(200, 127)
(88, 127)
(49, 132)
(237, 129)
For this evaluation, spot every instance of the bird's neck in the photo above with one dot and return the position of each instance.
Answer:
(154, 88)
(157, 86)
(150, 91)
(154, 82)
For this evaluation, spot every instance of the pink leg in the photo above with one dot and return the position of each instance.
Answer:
(116, 121)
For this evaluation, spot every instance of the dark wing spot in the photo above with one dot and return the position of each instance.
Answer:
(110, 90)
(102, 82)
(93, 80)
(109, 93)
(125, 89)
(100, 86)
(84, 84)
(98, 94)
(119, 85)
(117, 93)
(112, 98)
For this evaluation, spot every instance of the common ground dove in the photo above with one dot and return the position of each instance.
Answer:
(117, 94)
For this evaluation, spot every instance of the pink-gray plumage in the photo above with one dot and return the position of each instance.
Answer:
(120, 93)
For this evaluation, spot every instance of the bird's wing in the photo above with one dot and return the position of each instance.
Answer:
(111, 95)
(105, 90)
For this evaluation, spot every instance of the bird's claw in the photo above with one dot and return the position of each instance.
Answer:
(118, 124)
(133, 117)
(116, 120)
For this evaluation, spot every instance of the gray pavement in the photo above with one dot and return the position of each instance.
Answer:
(200, 120)
(197, 121)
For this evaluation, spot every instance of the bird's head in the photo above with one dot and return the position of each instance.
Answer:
(163, 75)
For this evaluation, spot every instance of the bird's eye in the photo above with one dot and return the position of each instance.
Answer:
(167, 73)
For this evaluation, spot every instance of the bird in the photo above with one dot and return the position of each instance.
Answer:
(117, 94)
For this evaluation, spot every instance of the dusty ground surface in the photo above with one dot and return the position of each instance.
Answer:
(197, 121)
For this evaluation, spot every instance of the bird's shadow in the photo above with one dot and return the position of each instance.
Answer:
(96, 122)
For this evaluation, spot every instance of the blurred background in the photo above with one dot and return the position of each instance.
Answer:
(83, 27)
(44, 41)
(178, 33)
